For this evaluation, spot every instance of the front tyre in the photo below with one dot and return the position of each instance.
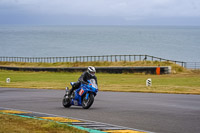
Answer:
(66, 101)
(87, 103)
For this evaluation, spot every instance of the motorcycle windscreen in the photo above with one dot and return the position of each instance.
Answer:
(93, 82)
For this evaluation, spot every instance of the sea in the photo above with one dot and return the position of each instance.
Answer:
(181, 43)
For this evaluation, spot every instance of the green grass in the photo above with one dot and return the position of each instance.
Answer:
(16, 124)
(184, 83)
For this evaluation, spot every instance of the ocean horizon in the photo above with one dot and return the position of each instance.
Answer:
(180, 43)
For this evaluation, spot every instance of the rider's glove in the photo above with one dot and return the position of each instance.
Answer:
(85, 82)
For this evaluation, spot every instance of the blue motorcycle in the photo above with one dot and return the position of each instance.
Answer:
(83, 96)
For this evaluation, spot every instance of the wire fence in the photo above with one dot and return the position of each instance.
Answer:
(193, 65)
(109, 58)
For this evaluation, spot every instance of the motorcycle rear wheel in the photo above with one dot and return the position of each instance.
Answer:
(87, 103)
(66, 101)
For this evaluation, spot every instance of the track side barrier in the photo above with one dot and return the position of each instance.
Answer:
(146, 70)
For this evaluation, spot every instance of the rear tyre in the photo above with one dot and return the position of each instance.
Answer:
(87, 103)
(66, 101)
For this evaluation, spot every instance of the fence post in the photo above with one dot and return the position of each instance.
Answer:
(98, 59)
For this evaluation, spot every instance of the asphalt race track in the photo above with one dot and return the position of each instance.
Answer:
(161, 113)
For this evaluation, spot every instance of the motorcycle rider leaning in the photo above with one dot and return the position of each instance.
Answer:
(87, 75)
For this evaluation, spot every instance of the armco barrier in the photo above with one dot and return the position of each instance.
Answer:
(147, 69)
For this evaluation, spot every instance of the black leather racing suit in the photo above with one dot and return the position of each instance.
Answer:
(82, 79)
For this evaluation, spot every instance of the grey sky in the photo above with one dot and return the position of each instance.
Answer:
(105, 12)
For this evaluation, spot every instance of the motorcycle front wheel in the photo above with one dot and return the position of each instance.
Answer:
(87, 103)
(66, 101)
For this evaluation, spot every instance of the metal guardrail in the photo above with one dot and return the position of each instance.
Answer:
(193, 65)
(109, 58)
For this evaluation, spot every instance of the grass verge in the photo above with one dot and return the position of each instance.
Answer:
(182, 83)
(16, 124)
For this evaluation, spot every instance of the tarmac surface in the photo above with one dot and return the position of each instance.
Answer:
(161, 113)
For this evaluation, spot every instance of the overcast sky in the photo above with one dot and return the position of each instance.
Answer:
(100, 12)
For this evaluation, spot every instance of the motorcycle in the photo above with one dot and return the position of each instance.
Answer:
(83, 96)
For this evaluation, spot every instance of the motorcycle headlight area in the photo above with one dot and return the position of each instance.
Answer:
(94, 86)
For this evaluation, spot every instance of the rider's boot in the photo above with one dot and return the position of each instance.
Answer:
(70, 92)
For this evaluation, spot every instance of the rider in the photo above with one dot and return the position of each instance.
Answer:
(87, 75)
